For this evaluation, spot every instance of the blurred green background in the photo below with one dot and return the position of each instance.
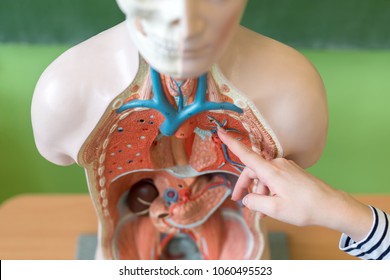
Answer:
(348, 42)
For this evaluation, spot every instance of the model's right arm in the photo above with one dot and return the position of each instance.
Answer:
(56, 114)
(75, 90)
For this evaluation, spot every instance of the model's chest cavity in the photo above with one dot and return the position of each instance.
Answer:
(135, 142)
(156, 165)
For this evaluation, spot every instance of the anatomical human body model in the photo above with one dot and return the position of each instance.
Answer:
(138, 107)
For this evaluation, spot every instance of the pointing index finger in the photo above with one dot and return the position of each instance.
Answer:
(248, 157)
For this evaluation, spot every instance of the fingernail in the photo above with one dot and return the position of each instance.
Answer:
(245, 200)
(221, 129)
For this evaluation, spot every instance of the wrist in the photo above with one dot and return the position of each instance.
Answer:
(350, 217)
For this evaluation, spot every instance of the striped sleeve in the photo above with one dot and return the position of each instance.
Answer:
(376, 245)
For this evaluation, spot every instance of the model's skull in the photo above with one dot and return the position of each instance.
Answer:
(182, 38)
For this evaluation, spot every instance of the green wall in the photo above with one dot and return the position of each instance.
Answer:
(300, 23)
(322, 23)
(348, 42)
(55, 21)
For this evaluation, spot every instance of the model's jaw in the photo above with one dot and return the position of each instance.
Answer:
(169, 53)
(182, 38)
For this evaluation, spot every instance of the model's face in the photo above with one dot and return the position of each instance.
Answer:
(182, 38)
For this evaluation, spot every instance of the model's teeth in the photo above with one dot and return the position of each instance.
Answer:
(166, 47)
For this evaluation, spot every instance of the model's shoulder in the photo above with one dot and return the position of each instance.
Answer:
(264, 61)
(103, 61)
(298, 96)
(286, 88)
(88, 76)
(276, 62)
(75, 90)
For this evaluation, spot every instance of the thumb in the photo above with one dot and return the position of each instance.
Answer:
(264, 204)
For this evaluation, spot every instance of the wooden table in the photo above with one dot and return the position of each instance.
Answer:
(47, 227)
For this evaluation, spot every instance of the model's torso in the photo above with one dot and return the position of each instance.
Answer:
(283, 108)
(130, 144)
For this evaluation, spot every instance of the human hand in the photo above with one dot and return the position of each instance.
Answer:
(290, 194)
